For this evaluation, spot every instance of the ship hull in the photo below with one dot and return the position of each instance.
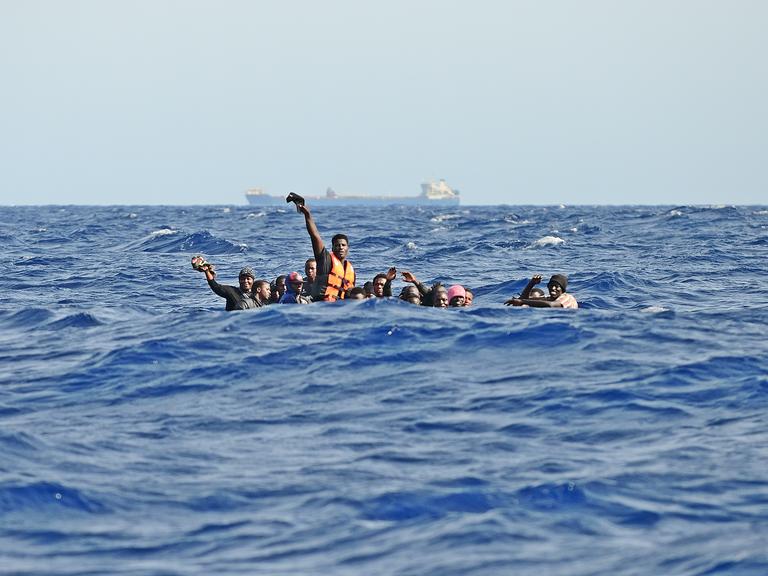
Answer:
(268, 200)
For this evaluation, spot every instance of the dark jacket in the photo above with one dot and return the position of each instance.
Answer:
(236, 298)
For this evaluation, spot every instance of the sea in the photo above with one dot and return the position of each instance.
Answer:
(146, 431)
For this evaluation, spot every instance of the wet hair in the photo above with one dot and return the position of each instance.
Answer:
(406, 289)
(355, 291)
(368, 288)
(339, 237)
(536, 293)
(409, 291)
(382, 275)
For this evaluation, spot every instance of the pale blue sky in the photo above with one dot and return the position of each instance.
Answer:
(543, 102)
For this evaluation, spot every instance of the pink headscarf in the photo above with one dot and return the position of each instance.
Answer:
(456, 290)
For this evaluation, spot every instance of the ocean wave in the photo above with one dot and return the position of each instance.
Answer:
(26, 318)
(171, 241)
(404, 506)
(76, 320)
(552, 496)
(376, 436)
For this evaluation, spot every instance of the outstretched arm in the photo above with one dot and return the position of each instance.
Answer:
(533, 303)
(531, 283)
(314, 234)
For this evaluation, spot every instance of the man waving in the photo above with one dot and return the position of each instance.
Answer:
(335, 274)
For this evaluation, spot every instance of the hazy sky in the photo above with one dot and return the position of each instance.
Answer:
(535, 102)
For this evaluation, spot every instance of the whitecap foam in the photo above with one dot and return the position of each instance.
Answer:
(162, 232)
(411, 246)
(444, 217)
(655, 309)
(675, 213)
(253, 215)
(548, 241)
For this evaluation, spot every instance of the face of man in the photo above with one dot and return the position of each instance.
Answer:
(457, 301)
(280, 286)
(310, 269)
(264, 292)
(554, 290)
(341, 248)
(441, 298)
(468, 298)
(378, 287)
(246, 283)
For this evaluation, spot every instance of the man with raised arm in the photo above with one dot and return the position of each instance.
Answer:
(558, 297)
(335, 274)
(238, 297)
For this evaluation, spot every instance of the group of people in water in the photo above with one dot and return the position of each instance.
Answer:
(330, 276)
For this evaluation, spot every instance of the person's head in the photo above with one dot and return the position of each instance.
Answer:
(410, 294)
(262, 290)
(536, 294)
(340, 246)
(456, 296)
(468, 297)
(293, 282)
(246, 279)
(278, 288)
(310, 270)
(379, 281)
(368, 289)
(357, 293)
(280, 284)
(557, 285)
(439, 296)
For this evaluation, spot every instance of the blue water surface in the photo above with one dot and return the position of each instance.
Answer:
(143, 430)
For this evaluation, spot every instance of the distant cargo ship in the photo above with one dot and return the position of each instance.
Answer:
(432, 194)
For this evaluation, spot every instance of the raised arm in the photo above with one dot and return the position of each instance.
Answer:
(526, 293)
(314, 234)
(391, 275)
(410, 278)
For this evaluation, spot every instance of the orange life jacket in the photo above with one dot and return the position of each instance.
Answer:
(340, 279)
